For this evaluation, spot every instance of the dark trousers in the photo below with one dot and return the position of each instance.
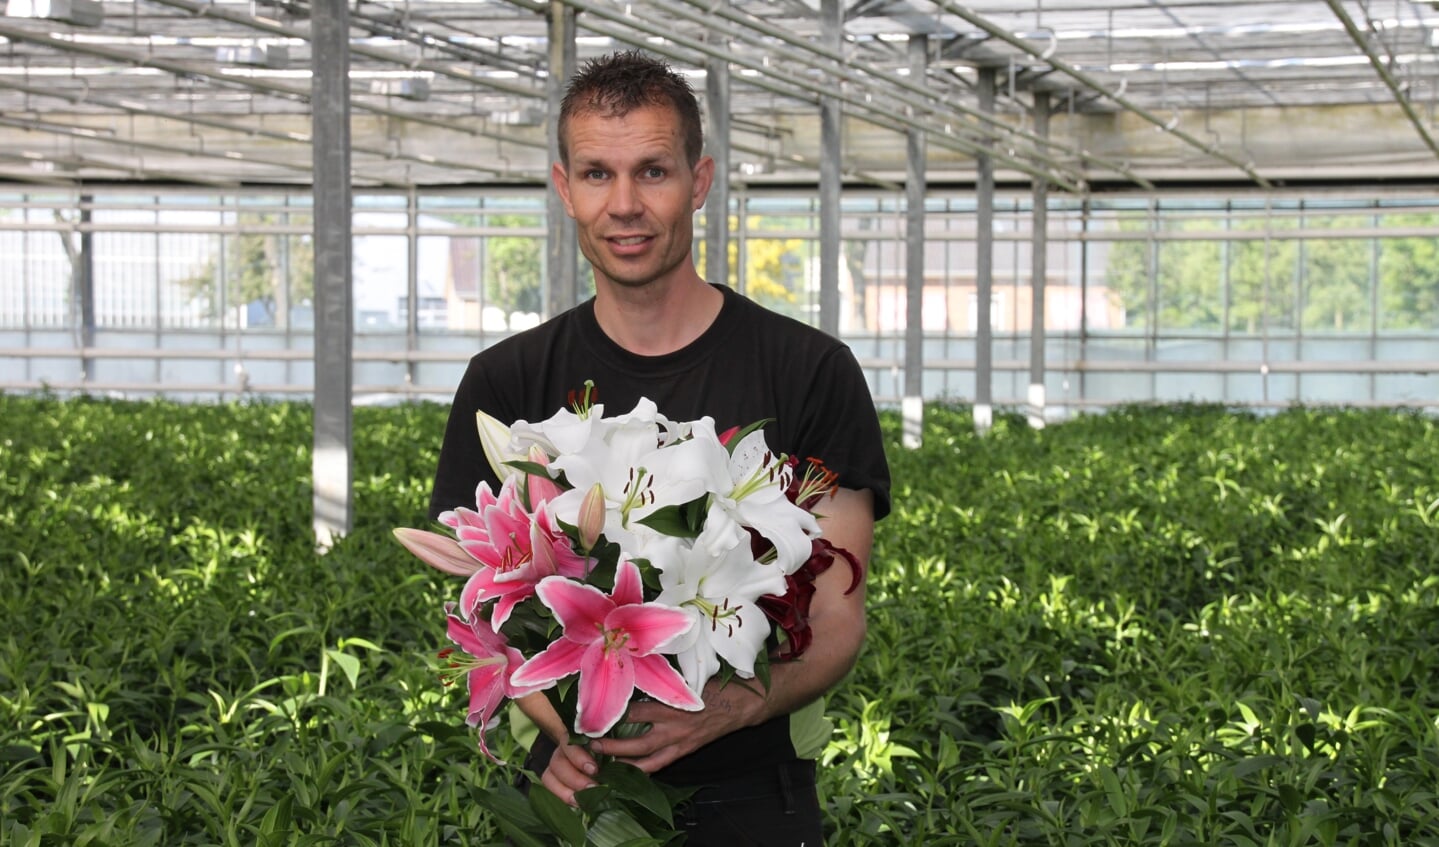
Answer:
(772, 806)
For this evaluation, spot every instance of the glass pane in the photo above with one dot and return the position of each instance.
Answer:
(776, 274)
(1190, 282)
(1120, 277)
(187, 279)
(513, 266)
(1409, 275)
(126, 293)
(1262, 275)
(1337, 290)
(380, 283)
(260, 273)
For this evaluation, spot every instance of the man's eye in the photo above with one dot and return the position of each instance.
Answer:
(655, 173)
(594, 174)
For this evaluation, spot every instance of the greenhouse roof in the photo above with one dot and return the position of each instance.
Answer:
(454, 92)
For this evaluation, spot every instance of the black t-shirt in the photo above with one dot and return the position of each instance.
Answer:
(751, 364)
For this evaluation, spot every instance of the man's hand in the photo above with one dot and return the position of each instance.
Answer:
(571, 769)
(675, 733)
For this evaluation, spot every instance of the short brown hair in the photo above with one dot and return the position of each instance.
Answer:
(617, 84)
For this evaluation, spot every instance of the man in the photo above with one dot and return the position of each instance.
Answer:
(632, 174)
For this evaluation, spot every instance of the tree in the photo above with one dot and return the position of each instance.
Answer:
(512, 267)
(1409, 277)
(266, 268)
(774, 267)
(1337, 280)
(1128, 271)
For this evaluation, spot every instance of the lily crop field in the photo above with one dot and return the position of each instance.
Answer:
(1173, 625)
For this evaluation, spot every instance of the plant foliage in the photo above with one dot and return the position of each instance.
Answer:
(1161, 625)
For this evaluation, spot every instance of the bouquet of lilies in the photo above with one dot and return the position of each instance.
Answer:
(627, 554)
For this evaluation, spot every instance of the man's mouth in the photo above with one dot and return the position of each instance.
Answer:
(629, 240)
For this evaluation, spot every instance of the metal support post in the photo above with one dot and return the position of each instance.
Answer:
(717, 98)
(1039, 265)
(830, 120)
(333, 461)
(561, 250)
(984, 262)
(912, 435)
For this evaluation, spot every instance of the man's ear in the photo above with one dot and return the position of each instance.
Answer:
(704, 174)
(561, 178)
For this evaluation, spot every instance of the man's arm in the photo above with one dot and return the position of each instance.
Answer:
(838, 623)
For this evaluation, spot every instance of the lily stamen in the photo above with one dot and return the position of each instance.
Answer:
(717, 613)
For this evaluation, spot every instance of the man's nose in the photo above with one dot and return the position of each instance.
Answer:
(624, 198)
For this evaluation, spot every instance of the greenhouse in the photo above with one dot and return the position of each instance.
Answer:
(1145, 295)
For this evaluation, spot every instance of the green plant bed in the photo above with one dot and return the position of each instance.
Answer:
(1160, 625)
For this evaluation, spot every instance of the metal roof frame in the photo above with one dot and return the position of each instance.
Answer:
(1144, 92)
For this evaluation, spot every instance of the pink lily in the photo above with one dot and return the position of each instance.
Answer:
(488, 672)
(615, 643)
(502, 534)
(488, 531)
(538, 551)
(515, 549)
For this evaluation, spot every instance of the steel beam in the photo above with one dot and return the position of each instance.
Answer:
(1381, 68)
(984, 268)
(562, 284)
(1039, 267)
(333, 459)
(914, 215)
(831, 122)
(717, 99)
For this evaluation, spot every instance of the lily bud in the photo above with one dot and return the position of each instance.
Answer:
(440, 552)
(592, 517)
(495, 439)
(539, 487)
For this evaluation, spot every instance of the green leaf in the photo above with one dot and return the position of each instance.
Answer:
(528, 467)
(740, 435)
(275, 826)
(561, 819)
(349, 664)
(298, 630)
(630, 782)
(1114, 790)
(1252, 764)
(513, 814)
(671, 520)
(614, 828)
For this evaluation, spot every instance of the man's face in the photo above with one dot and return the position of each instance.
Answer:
(632, 195)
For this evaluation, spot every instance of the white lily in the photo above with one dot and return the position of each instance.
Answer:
(748, 488)
(633, 473)
(720, 594)
(563, 432)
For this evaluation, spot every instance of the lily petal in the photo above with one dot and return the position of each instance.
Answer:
(580, 608)
(540, 488)
(607, 679)
(650, 626)
(628, 586)
(657, 677)
(550, 665)
(482, 587)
